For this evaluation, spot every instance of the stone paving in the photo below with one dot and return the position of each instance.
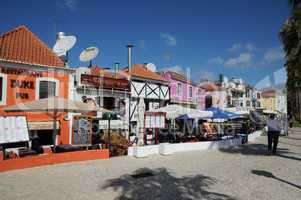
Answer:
(243, 172)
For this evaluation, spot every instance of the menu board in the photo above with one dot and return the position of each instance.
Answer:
(82, 130)
(13, 129)
(155, 120)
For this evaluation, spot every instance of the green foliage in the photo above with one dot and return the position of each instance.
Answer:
(296, 123)
(290, 35)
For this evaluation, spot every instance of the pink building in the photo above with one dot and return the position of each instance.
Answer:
(214, 96)
(184, 91)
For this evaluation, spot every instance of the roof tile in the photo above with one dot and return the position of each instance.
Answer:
(138, 70)
(21, 45)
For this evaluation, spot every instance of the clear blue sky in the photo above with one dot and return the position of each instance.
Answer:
(239, 37)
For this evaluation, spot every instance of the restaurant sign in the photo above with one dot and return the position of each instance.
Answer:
(104, 82)
(20, 71)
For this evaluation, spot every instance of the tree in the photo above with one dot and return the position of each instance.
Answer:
(290, 35)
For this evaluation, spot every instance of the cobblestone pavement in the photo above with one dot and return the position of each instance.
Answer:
(244, 172)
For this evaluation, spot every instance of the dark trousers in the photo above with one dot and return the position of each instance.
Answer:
(273, 137)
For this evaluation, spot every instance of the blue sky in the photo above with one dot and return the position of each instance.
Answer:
(237, 37)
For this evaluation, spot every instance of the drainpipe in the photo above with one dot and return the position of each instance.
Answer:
(129, 47)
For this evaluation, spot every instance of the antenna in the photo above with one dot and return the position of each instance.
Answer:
(63, 45)
(151, 66)
(88, 54)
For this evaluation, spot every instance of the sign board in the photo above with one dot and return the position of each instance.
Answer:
(21, 72)
(82, 130)
(155, 120)
(114, 124)
(13, 129)
(104, 82)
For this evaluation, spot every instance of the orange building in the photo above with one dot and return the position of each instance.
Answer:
(29, 70)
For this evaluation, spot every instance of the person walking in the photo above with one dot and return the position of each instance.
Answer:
(274, 128)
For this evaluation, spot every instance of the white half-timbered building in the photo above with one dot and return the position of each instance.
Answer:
(149, 86)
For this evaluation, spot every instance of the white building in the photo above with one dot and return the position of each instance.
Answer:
(281, 102)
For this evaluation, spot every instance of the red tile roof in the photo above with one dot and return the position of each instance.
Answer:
(180, 77)
(209, 87)
(138, 70)
(22, 46)
(268, 93)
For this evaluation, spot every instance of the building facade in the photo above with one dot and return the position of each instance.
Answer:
(147, 85)
(29, 71)
(104, 88)
(252, 98)
(273, 99)
(184, 91)
(268, 100)
(214, 95)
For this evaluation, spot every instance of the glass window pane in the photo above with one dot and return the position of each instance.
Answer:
(47, 89)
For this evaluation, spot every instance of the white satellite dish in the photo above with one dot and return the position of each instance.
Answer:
(88, 54)
(151, 67)
(64, 44)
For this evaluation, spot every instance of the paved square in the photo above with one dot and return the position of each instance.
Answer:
(244, 172)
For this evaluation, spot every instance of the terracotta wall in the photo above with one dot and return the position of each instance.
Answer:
(29, 94)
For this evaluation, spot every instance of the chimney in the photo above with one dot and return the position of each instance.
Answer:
(116, 69)
(130, 46)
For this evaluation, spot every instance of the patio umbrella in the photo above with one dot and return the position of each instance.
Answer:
(54, 105)
(221, 114)
(175, 111)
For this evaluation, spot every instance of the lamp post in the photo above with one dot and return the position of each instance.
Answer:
(129, 47)
(109, 133)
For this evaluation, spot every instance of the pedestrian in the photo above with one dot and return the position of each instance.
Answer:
(290, 119)
(274, 128)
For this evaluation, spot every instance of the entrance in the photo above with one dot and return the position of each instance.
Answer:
(109, 103)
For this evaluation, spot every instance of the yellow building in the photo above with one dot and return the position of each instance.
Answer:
(268, 100)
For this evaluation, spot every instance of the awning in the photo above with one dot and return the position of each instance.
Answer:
(42, 125)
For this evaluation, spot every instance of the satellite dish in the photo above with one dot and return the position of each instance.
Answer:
(151, 67)
(64, 44)
(88, 54)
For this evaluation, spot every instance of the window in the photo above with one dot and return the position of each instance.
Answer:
(248, 103)
(248, 93)
(179, 89)
(3, 81)
(47, 87)
(199, 92)
(208, 102)
(190, 91)
(258, 95)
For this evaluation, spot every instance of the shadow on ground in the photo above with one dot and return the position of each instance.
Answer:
(270, 175)
(259, 150)
(150, 184)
